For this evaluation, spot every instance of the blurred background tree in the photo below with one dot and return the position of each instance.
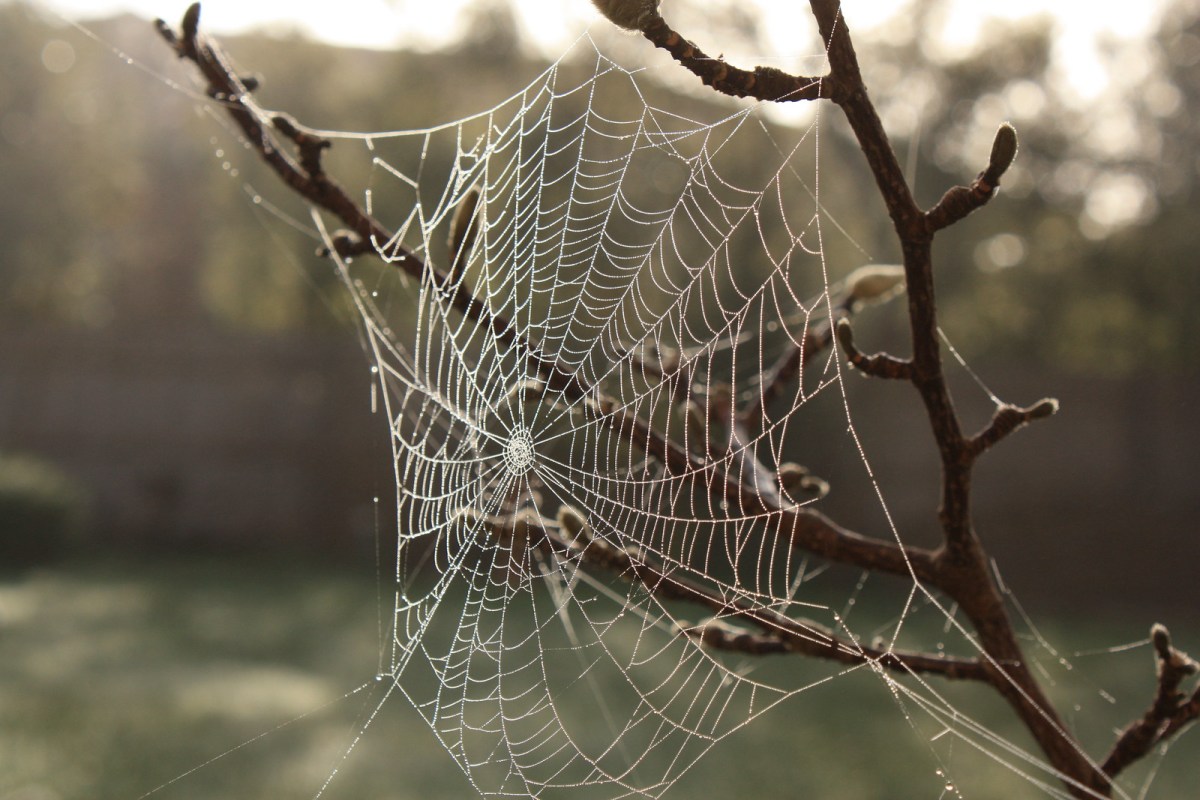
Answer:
(1094, 186)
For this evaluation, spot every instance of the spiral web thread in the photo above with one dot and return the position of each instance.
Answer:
(667, 273)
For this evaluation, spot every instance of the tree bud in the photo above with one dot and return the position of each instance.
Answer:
(1004, 149)
(1162, 640)
(463, 226)
(1044, 408)
(874, 283)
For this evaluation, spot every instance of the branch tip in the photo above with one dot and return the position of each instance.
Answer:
(879, 365)
(346, 243)
(464, 227)
(573, 523)
(959, 201)
(796, 482)
(1169, 656)
(165, 31)
(1006, 420)
(1169, 712)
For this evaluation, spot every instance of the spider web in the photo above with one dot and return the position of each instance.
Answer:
(547, 553)
(625, 248)
(573, 564)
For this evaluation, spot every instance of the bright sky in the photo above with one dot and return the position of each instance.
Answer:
(1079, 24)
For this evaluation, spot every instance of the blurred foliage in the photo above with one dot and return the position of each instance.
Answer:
(250, 678)
(1083, 260)
(129, 215)
(42, 511)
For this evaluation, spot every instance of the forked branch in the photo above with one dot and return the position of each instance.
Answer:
(1170, 712)
(806, 529)
(960, 568)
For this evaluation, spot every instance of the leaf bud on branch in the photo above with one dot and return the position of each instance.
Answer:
(873, 283)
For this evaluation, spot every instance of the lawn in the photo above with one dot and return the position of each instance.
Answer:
(123, 678)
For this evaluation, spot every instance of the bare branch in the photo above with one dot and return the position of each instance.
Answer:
(879, 365)
(761, 83)
(960, 201)
(1007, 420)
(1169, 712)
(805, 528)
(780, 633)
(715, 633)
(812, 342)
(309, 180)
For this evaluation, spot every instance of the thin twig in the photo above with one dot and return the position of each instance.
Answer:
(960, 201)
(761, 83)
(1168, 713)
(1007, 420)
(879, 365)
(308, 179)
(789, 635)
(814, 340)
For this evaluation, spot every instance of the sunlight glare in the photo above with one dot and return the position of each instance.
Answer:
(1080, 27)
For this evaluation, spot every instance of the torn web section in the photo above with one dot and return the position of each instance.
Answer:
(555, 535)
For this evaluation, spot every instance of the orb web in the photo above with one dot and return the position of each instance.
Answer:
(543, 541)
(598, 453)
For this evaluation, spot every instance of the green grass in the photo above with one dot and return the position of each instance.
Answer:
(119, 677)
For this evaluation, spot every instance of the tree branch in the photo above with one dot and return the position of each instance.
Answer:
(960, 568)
(1007, 420)
(760, 83)
(879, 365)
(960, 201)
(308, 179)
(780, 633)
(1169, 712)
(805, 528)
